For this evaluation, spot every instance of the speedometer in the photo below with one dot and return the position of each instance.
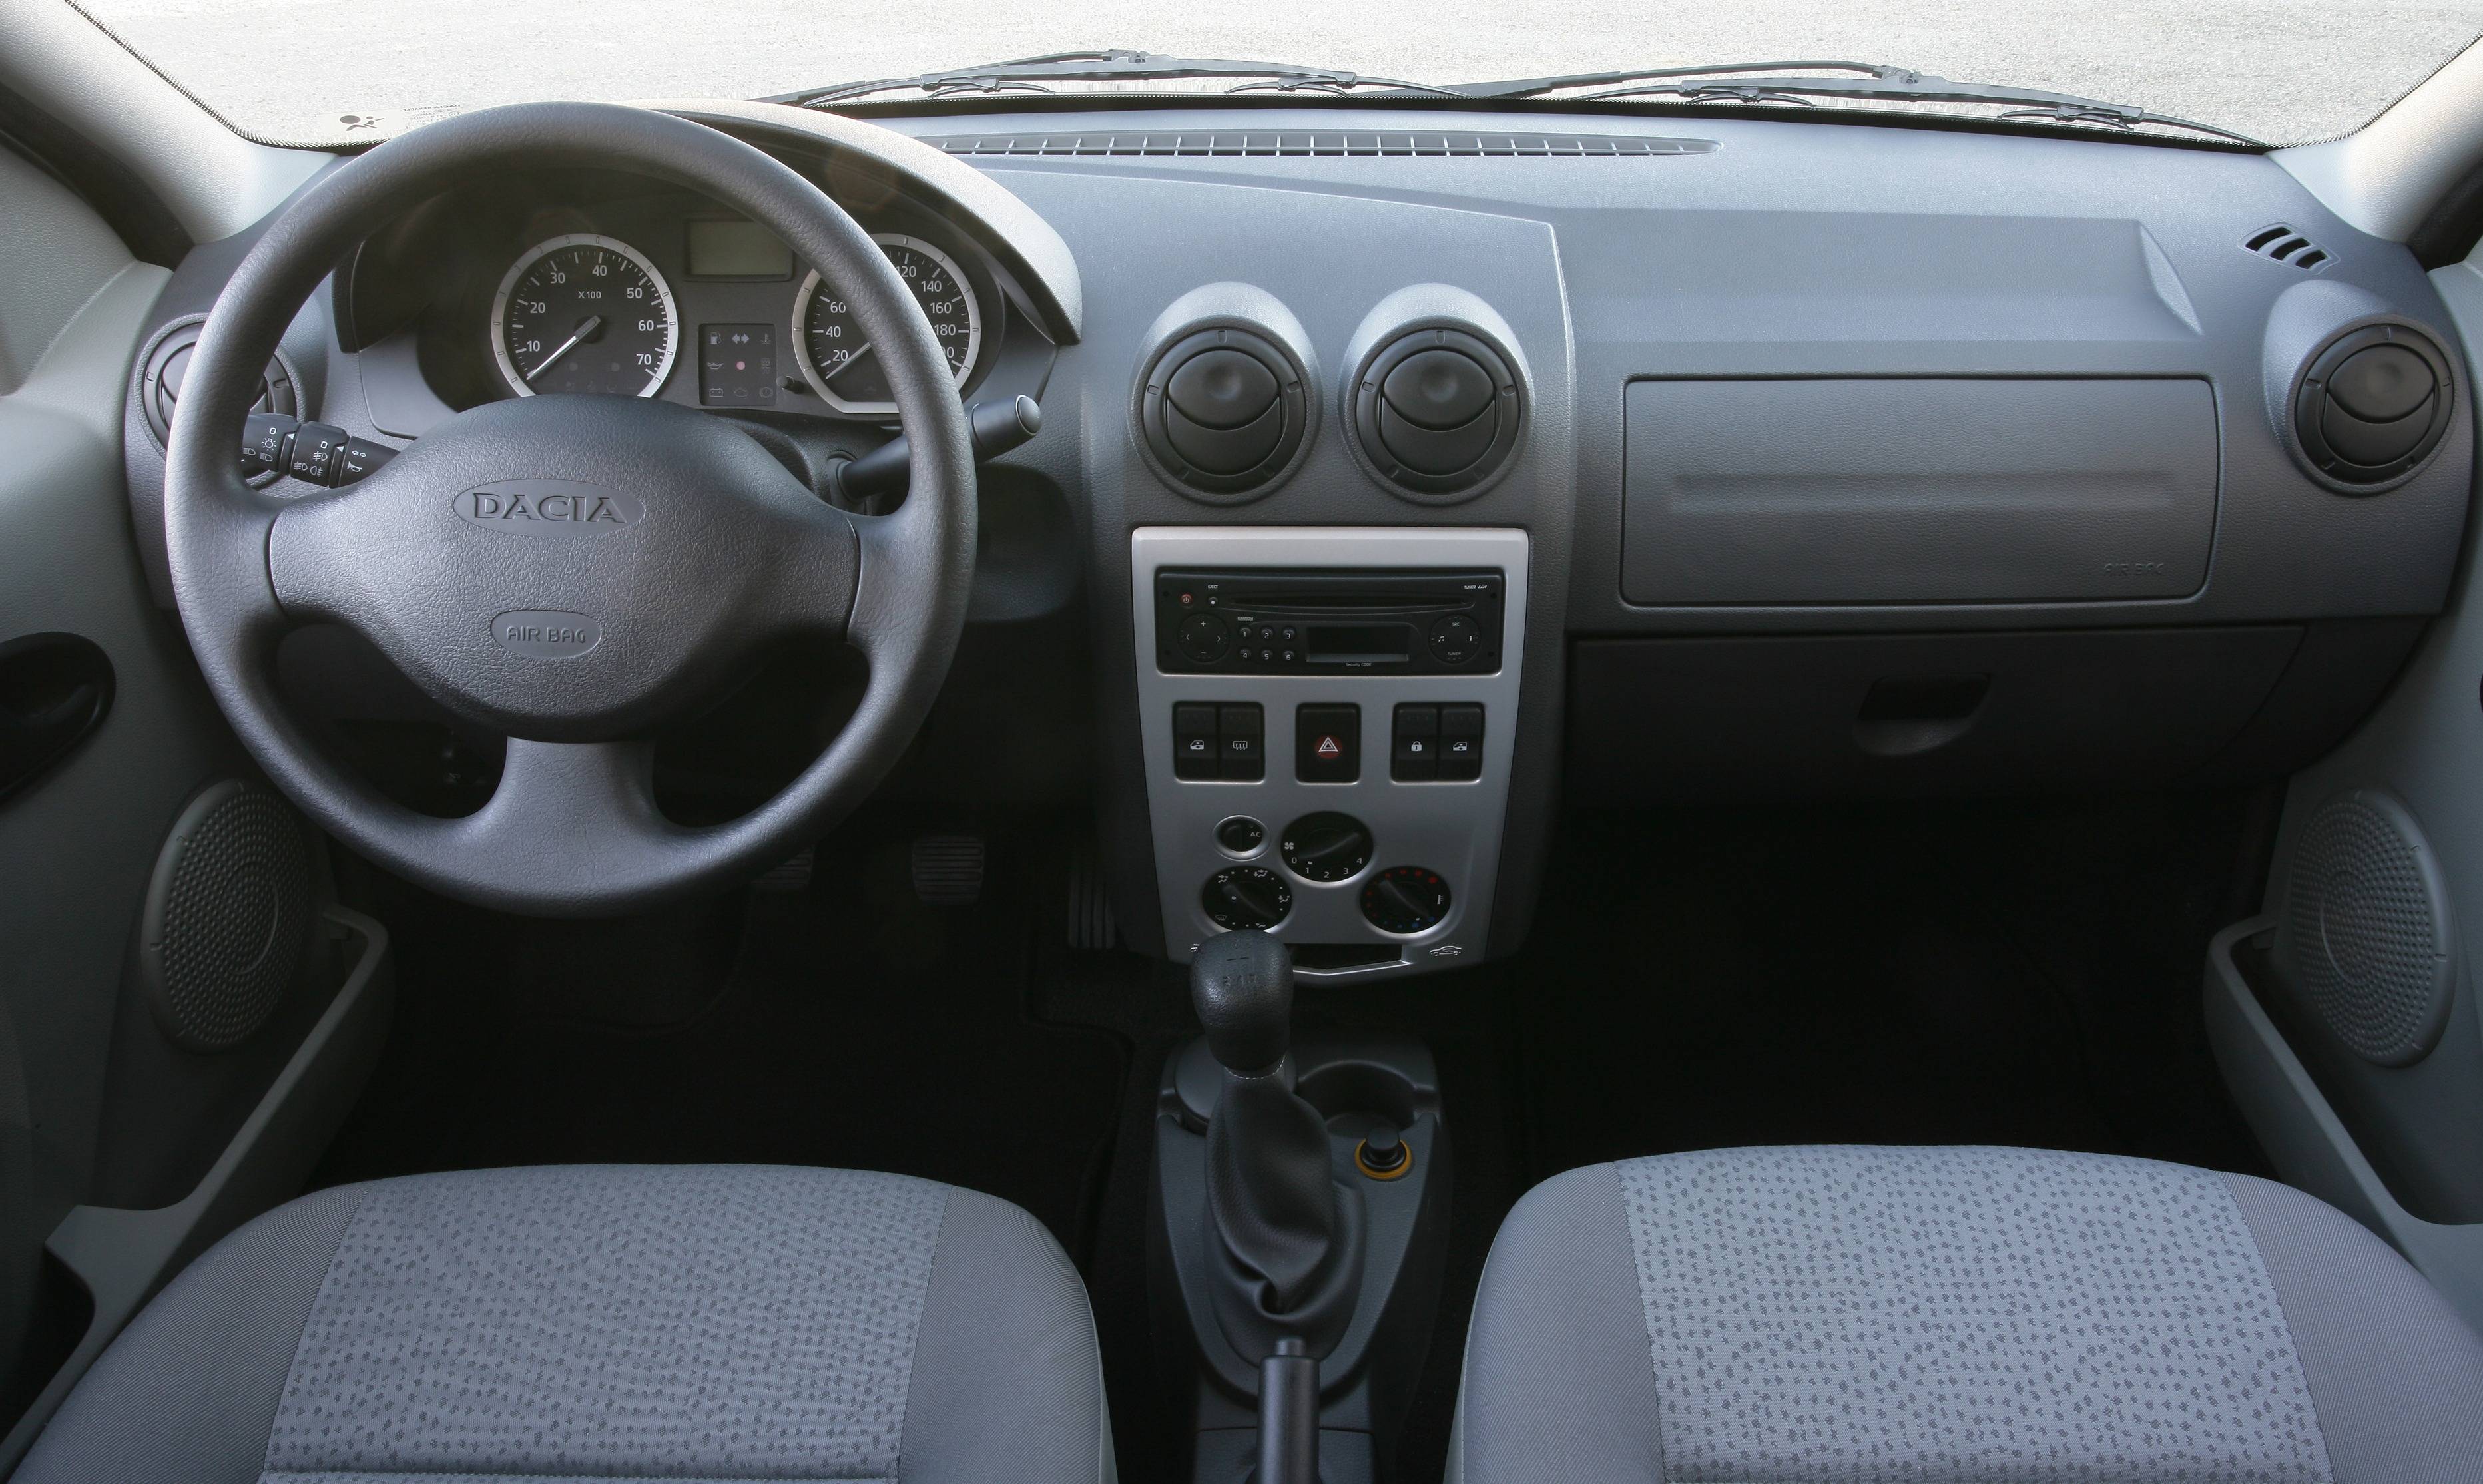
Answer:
(584, 313)
(837, 357)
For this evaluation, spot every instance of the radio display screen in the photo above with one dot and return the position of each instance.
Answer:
(1346, 643)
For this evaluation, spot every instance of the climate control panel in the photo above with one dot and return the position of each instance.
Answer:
(1321, 849)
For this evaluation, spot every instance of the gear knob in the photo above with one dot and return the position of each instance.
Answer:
(1241, 985)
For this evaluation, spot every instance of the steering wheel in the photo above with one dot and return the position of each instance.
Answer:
(674, 548)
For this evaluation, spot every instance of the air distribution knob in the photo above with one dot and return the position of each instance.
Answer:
(1243, 897)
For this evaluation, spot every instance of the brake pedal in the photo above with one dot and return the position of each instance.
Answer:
(949, 870)
(790, 876)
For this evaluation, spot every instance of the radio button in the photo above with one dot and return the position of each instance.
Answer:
(1202, 639)
(1455, 639)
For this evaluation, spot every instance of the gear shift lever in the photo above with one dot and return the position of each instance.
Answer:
(1283, 1237)
(1241, 985)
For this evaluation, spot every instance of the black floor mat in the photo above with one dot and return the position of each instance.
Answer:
(850, 1026)
(2021, 973)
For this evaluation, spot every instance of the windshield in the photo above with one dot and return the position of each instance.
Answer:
(321, 71)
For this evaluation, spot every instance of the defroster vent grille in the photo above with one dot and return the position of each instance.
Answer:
(1406, 144)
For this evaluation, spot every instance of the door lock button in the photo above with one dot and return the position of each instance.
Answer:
(1414, 744)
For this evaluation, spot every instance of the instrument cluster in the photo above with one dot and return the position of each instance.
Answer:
(579, 287)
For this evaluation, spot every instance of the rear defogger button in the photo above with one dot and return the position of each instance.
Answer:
(1328, 744)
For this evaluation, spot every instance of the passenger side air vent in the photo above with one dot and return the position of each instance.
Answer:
(1403, 143)
(2282, 244)
(1436, 413)
(2373, 404)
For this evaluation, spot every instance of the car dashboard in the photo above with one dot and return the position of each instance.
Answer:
(1403, 471)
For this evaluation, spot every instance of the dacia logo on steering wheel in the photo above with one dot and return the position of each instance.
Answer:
(547, 507)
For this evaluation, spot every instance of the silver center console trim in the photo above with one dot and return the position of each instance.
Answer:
(1453, 828)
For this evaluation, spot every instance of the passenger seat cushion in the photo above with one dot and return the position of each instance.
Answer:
(594, 1323)
(2396, 1375)
(1926, 1316)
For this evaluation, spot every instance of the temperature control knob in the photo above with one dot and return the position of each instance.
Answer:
(1243, 897)
(1327, 846)
(1405, 899)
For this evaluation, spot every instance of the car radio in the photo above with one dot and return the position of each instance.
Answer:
(1265, 621)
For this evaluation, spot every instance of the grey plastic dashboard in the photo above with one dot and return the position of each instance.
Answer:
(1786, 251)
(1826, 425)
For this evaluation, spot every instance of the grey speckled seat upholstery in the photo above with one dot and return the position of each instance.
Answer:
(1954, 1317)
(602, 1323)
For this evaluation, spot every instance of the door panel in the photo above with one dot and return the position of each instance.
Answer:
(2346, 1019)
(79, 838)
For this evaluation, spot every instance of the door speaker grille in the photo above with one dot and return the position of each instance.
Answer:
(2366, 930)
(228, 917)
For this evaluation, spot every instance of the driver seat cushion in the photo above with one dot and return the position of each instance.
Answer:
(1851, 1315)
(590, 1323)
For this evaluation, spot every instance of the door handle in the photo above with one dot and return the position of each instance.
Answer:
(55, 689)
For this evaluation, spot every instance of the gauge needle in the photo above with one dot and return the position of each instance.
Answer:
(590, 324)
(859, 352)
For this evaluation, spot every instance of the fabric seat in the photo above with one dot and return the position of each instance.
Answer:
(605, 1322)
(1928, 1315)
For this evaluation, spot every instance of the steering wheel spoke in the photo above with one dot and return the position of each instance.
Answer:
(562, 806)
(823, 554)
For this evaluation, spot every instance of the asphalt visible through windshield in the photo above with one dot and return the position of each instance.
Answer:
(2281, 70)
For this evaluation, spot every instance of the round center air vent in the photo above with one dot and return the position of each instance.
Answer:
(1436, 413)
(2373, 405)
(1224, 413)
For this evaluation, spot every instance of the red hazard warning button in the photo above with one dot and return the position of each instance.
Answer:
(1328, 744)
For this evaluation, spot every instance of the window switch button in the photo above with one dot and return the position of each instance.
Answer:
(1194, 751)
(1461, 744)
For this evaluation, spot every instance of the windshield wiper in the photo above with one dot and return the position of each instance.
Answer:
(1735, 81)
(1033, 74)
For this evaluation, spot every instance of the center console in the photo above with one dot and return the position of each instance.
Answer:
(1325, 713)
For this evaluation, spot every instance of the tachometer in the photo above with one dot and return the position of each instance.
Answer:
(584, 313)
(837, 358)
